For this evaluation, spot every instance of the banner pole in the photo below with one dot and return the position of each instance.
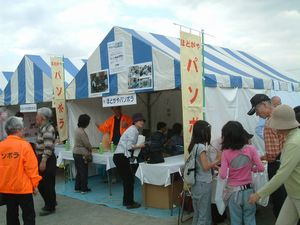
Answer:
(203, 78)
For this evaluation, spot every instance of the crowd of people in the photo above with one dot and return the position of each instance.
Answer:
(28, 169)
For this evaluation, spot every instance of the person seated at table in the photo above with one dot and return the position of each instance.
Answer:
(82, 153)
(175, 143)
(128, 143)
(157, 143)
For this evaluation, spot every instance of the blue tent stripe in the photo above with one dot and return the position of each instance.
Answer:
(258, 83)
(103, 49)
(177, 74)
(7, 94)
(267, 67)
(38, 84)
(210, 80)
(41, 63)
(68, 65)
(141, 51)
(247, 63)
(81, 82)
(8, 75)
(165, 41)
(226, 65)
(21, 82)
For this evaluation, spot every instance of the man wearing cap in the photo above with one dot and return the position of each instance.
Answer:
(259, 130)
(261, 105)
(283, 119)
(128, 143)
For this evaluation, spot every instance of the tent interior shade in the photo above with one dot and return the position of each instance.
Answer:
(32, 83)
(223, 67)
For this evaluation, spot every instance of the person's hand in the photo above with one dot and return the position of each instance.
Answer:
(253, 198)
(43, 165)
(35, 191)
(142, 145)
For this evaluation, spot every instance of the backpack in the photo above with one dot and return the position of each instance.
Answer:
(189, 170)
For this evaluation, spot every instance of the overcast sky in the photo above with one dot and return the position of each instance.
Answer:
(269, 29)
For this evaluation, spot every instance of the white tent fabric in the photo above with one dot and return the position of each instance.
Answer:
(4, 78)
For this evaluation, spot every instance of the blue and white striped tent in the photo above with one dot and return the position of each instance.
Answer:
(32, 82)
(4, 78)
(223, 67)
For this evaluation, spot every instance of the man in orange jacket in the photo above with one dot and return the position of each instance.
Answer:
(115, 125)
(19, 173)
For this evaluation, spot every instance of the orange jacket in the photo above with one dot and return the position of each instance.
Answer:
(18, 166)
(108, 125)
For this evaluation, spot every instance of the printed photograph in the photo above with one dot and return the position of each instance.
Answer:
(140, 76)
(99, 82)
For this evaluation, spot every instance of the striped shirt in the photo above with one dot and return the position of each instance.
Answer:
(273, 143)
(45, 141)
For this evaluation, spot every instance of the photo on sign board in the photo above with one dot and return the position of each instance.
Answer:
(99, 83)
(140, 76)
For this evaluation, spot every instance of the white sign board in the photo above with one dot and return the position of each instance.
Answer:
(28, 108)
(116, 56)
(119, 100)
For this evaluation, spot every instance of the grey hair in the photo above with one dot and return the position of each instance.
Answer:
(13, 124)
(45, 112)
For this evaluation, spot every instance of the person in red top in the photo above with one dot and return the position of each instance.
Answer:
(115, 125)
(19, 174)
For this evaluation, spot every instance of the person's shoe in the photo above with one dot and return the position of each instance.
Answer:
(133, 206)
(46, 212)
(86, 191)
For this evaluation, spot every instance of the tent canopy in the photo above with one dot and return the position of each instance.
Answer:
(4, 78)
(32, 82)
(223, 67)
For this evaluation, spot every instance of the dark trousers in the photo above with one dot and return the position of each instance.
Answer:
(278, 197)
(25, 201)
(125, 171)
(81, 179)
(47, 184)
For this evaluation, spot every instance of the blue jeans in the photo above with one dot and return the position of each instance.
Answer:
(241, 211)
(201, 195)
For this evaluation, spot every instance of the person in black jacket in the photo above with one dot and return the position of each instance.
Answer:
(157, 143)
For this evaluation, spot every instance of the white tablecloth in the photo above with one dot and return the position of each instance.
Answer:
(160, 174)
(105, 158)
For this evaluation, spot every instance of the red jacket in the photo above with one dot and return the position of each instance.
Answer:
(18, 166)
(108, 125)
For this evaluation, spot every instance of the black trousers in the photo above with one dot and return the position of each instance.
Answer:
(81, 179)
(25, 201)
(125, 171)
(278, 197)
(47, 184)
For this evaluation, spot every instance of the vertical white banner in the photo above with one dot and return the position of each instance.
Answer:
(191, 83)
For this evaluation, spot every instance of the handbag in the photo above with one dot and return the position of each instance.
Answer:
(219, 196)
(88, 158)
(2, 199)
(259, 180)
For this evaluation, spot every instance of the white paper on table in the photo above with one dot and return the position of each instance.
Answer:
(141, 140)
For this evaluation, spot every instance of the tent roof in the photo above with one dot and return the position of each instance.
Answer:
(4, 78)
(223, 67)
(31, 82)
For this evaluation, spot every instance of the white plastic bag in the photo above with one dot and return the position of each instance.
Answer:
(259, 180)
(219, 197)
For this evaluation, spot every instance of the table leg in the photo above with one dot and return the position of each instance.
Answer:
(172, 193)
(109, 181)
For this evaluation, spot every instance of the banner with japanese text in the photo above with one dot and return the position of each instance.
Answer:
(58, 82)
(191, 83)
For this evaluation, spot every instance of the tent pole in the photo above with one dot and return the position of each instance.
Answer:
(202, 77)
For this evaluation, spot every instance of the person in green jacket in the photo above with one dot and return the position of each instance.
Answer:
(283, 119)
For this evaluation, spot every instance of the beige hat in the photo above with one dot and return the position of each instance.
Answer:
(283, 118)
